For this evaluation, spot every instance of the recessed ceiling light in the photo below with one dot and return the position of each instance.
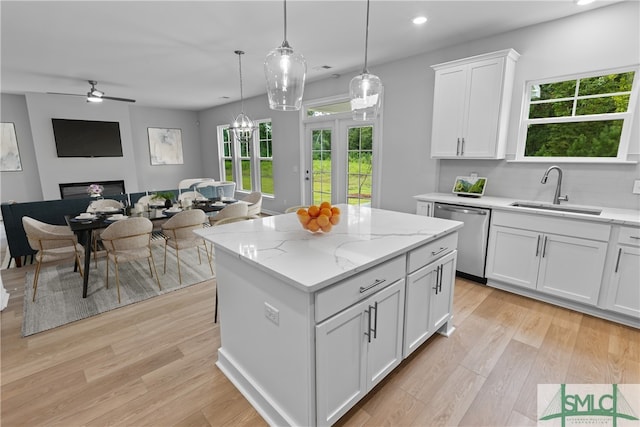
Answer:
(584, 2)
(419, 20)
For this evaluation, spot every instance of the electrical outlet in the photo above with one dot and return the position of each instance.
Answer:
(636, 186)
(271, 313)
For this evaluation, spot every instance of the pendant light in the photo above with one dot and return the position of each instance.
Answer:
(365, 90)
(285, 71)
(243, 127)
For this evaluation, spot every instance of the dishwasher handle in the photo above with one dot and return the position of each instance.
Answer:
(464, 210)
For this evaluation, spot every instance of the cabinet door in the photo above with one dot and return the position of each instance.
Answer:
(424, 208)
(385, 349)
(420, 285)
(625, 291)
(513, 256)
(482, 117)
(448, 111)
(571, 267)
(340, 363)
(441, 302)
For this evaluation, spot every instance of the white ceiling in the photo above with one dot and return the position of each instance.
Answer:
(179, 54)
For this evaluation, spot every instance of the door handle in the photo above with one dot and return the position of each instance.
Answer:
(375, 321)
(538, 246)
(435, 288)
(462, 147)
(618, 260)
(544, 247)
(368, 333)
(441, 274)
(458, 147)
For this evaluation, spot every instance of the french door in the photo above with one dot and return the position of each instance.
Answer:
(340, 162)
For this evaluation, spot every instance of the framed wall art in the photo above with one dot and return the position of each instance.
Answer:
(165, 146)
(9, 154)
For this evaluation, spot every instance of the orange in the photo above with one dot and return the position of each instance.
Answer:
(334, 219)
(313, 211)
(304, 219)
(325, 205)
(322, 220)
(302, 211)
(326, 228)
(326, 212)
(335, 210)
(313, 225)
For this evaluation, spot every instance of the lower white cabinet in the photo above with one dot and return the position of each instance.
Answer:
(429, 298)
(424, 208)
(549, 255)
(624, 291)
(356, 348)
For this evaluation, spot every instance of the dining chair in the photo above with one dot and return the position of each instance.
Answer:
(230, 211)
(219, 223)
(295, 208)
(101, 205)
(127, 240)
(254, 200)
(179, 235)
(187, 197)
(53, 243)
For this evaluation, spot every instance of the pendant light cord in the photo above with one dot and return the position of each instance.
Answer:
(285, 43)
(239, 53)
(366, 42)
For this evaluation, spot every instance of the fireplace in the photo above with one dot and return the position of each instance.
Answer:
(74, 190)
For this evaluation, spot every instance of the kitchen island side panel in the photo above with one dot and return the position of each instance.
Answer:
(275, 359)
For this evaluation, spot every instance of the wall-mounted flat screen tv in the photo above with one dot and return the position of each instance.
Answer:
(87, 138)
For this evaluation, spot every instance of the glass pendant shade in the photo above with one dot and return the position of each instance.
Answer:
(285, 71)
(365, 91)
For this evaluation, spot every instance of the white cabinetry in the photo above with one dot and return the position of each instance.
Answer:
(429, 299)
(624, 291)
(424, 208)
(471, 104)
(357, 348)
(561, 257)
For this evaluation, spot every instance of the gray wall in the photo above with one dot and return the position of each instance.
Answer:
(23, 185)
(566, 46)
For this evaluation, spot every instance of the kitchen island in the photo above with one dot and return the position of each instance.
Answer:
(309, 323)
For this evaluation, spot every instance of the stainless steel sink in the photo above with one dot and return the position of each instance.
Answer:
(558, 208)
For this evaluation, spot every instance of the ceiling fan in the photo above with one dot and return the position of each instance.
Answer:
(95, 95)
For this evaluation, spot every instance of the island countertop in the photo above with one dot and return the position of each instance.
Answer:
(364, 237)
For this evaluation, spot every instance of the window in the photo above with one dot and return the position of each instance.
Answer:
(249, 164)
(586, 118)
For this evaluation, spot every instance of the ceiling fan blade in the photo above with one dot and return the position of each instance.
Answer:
(112, 98)
(68, 94)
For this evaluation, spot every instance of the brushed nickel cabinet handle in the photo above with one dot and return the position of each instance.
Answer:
(618, 260)
(538, 246)
(434, 253)
(374, 284)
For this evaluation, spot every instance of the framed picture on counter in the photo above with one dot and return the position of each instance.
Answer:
(470, 186)
(165, 146)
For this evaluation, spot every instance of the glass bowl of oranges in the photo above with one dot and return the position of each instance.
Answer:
(319, 218)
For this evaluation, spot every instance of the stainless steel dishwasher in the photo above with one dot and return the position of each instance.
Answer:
(472, 238)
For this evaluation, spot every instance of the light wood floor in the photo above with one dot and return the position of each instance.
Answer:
(153, 364)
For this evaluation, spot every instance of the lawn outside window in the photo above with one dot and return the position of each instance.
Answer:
(581, 118)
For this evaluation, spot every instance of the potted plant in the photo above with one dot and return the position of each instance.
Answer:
(166, 195)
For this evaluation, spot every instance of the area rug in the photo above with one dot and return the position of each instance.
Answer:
(59, 298)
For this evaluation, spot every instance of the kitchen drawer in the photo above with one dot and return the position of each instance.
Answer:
(629, 236)
(424, 255)
(349, 291)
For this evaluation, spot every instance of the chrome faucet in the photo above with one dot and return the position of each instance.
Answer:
(556, 197)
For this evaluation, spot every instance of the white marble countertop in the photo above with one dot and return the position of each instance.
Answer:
(610, 215)
(364, 237)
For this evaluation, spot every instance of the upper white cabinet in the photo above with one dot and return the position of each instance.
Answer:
(471, 104)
